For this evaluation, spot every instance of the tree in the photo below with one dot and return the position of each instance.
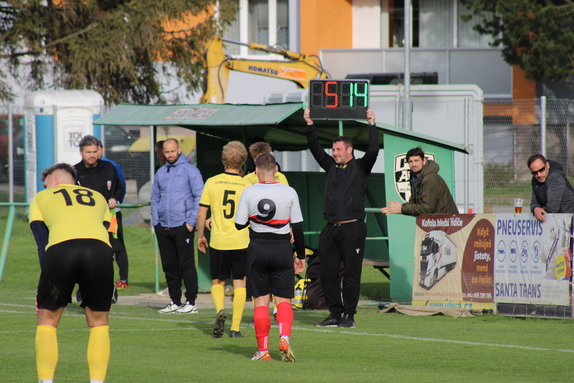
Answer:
(123, 49)
(537, 35)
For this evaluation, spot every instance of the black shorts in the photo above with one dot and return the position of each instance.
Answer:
(270, 267)
(87, 262)
(225, 263)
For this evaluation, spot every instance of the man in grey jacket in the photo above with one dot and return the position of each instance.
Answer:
(551, 190)
(175, 198)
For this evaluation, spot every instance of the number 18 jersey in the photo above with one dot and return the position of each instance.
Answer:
(71, 212)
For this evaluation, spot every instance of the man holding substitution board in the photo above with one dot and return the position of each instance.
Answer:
(342, 240)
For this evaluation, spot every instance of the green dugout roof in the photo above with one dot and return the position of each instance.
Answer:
(281, 125)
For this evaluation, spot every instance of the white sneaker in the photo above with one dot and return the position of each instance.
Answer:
(187, 308)
(170, 308)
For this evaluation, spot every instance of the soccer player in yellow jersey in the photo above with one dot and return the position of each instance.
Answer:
(69, 223)
(256, 149)
(227, 256)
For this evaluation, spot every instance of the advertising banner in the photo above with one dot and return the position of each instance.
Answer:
(454, 261)
(533, 259)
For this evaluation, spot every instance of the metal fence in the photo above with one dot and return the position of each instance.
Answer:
(12, 157)
(452, 118)
(511, 132)
(127, 146)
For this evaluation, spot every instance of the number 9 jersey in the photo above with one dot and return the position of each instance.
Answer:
(60, 207)
(269, 208)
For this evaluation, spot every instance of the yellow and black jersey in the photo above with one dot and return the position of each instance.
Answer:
(279, 177)
(221, 195)
(71, 212)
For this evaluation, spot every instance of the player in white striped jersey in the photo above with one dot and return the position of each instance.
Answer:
(272, 209)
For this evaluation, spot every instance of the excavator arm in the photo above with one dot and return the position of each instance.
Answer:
(297, 67)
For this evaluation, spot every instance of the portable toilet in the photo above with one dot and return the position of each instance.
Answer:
(56, 121)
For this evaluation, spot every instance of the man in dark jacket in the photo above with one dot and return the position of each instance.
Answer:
(429, 192)
(551, 190)
(342, 240)
(101, 176)
(98, 175)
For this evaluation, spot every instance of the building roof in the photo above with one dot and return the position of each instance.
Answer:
(281, 125)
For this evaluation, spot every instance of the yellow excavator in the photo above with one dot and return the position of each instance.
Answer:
(297, 67)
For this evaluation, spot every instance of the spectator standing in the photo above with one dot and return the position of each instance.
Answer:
(117, 240)
(429, 192)
(69, 222)
(101, 176)
(160, 158)
(551, 190)
(271, 209)
(342, 240)
(228, 245)
(175, 195)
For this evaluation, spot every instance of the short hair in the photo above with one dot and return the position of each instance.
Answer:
(159, 144)
(259, 148)
(345, 140)
(266, 162)
(415, 152)
(89, 140)
(171, 139)
(233, 155)
(60, 166)
(535, 157)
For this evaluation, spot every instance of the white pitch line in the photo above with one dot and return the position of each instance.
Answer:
(407, 337)
(457, 341)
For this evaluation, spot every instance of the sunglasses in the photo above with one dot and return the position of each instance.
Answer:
(535, 172)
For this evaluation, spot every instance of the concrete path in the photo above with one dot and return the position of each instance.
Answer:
(159, 300)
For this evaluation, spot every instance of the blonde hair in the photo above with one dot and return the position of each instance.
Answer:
(233, 155)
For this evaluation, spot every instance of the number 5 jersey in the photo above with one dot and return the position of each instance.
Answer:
(221, 194)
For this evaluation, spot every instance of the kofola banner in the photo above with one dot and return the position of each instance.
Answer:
(454, 261)
(533, 259)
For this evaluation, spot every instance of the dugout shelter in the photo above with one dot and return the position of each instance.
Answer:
(390, 239)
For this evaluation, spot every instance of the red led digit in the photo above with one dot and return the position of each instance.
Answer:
(334, 97)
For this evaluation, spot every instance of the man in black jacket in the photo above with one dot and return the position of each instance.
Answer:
(551, 190)
(102, 176)
(342, 240)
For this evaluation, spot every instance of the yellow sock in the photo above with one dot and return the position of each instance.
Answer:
(46, 352)
(99, 352)
(239, 296)
(218, 296)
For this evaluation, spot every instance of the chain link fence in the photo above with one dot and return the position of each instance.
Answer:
(127, 146)
(453, 119)
(511, 132)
